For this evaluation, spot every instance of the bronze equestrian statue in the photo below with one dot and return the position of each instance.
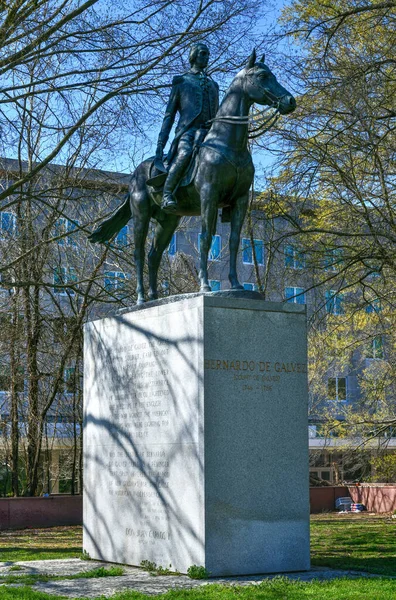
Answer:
(220, 178)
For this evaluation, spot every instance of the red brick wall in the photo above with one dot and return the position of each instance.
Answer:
(323, 498)
(375, 498)
(379, 498)
(18, 513)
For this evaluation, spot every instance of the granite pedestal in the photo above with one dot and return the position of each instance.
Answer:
(196, 436)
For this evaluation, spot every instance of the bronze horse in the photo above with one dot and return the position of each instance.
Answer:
(223, 178)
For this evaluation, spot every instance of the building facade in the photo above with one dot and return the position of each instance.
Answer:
(53, 280)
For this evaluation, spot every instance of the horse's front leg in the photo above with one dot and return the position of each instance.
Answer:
(162, 237)
(140, 205)
(238, 214)
(209, 218)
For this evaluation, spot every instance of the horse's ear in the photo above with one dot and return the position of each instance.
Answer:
(262, 59)
(252, 59)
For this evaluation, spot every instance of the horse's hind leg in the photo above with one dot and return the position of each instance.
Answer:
(140, 204)
(162, 237)
(237, 218)
(209, 219)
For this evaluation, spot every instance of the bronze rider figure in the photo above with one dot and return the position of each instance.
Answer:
(195, 96)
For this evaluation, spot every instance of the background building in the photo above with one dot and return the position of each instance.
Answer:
(53, 280)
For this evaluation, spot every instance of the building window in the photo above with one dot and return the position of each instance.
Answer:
(334, 303)
(337, 389)
(62, 276)
(65, 227)
(20, 380)
(312, 433)
(58, 330)
(250, 286)
(7, 223)
(215, 249)
(374, 270)
(375, 348)
(121, 238)
(114, 281)
(6, 281)
(295, 295)
(215, 285)
(70, 380)
(374, 306)
(165, 287)
(5, 379)
(247, 251)
(294, 258)
(332, 259)
(172, 249)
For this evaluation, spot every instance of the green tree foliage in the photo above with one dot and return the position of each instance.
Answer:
(336, 188)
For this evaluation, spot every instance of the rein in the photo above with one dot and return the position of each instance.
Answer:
(247, 120)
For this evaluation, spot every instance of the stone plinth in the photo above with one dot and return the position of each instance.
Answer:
(196, 436)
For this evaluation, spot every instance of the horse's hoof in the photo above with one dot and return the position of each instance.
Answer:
(153, 297)
(237, 287)
(140, 301)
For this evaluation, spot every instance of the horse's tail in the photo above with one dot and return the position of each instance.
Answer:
(113, 224)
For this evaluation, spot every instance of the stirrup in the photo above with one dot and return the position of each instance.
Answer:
(169, 205)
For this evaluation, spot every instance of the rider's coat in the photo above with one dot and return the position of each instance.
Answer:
(187, 99)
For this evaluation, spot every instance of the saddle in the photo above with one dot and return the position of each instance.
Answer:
(157, 178)
(158, 175)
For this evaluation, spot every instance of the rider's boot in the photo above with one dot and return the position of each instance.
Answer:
(176, 171)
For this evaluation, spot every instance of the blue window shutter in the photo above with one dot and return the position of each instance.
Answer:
(215, 249)
(289, 256)
(329, 302)
(215, 284)
(289, 294)
(122, 236)
(259, 250)
(173, 245)
(300, 260)
(246, 251)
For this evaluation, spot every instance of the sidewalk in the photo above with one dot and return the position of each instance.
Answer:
(136, 579)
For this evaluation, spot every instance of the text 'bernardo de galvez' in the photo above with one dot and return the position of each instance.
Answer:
(252, 365)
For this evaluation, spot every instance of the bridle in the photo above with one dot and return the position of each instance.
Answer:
(263, 125)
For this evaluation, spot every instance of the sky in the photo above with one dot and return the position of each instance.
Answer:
(131, 153)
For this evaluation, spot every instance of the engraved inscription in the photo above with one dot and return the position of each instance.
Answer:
(140, 407)
(251, 365)
(256, 375)
(143, 484)
(140, 403)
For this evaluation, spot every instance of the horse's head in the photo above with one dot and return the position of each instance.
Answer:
(263, 88)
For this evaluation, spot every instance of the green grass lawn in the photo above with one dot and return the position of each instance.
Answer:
(358, 542)
(40, 544)
(278, 589)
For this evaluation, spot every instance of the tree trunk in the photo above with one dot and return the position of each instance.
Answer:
(14, 413)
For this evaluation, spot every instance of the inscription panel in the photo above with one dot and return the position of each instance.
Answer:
(143, 403)
(256, 375)
(142, 457)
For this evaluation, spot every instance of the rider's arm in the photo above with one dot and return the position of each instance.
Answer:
(170, 113)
